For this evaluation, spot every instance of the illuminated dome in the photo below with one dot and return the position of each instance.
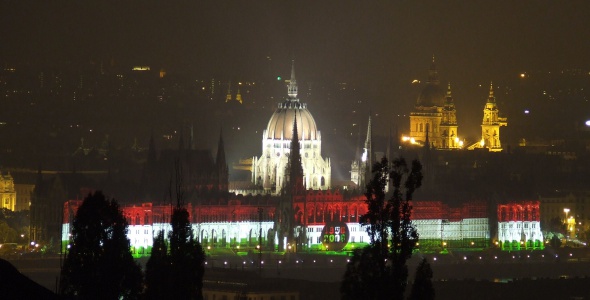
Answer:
(431, 95)
(280, 125)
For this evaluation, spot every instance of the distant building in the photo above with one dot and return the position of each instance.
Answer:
(433, 122)
(7, 192)
(490, 126)
(268, 170)
(519, 226)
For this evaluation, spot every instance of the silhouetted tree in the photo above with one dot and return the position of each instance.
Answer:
(157, 269)
(379, 271)
(422, 288)
(555, 241)
(187, 259)
(177, 273)
(99, 264)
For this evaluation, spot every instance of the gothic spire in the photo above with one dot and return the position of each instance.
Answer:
(220, 158)
(491, 97)
(432, 72)
(368, 142)
(292, 90)
(367, 158)
(295, 168)
(228, 96)
(221, 164)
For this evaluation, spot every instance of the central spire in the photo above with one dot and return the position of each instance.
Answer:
(491, 98)
(292, 90)
(432, 73)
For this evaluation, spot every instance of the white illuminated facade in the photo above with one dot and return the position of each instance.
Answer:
(519, 226)
(268, 170)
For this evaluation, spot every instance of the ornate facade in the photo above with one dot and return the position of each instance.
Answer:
(427, 117)
(490, 126)
(433, 122)
(7, 192)
(268, 170)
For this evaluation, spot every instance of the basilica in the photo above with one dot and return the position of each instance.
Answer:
(433, 122)
(268, 170)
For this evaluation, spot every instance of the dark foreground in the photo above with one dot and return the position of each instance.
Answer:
(319, 277)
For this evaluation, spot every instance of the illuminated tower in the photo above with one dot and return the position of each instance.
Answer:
(427, 114)
(239, 95)
(367, 157)
(490, 127)
(268, 170)
(360, 169)
(228, 96)
(448, 125)
(221, 166)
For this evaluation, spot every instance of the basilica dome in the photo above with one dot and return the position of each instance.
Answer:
(280, 125)
(431, 95)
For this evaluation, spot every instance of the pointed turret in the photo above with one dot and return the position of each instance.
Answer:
(292, 90)
(295, 168)
(449, 96)
(221, 164)
(367, 155)
(490, 127)
(432, 72)
(367, 158)
(228, 96)
(239, 96)
(491, 98)
(448, 124)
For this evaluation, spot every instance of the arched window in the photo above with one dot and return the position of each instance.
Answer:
(323, 181)
(421, 127)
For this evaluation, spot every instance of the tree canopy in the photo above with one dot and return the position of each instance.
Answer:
(379, 271)
(98, 263)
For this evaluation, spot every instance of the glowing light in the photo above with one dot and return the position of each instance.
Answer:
(415, 81)
(526, 111)
(434, 259)
(522, 75)
(588, 123)
(482, 143)
(405, 138)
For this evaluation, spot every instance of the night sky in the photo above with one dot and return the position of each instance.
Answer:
(379, 46)
(370, 42)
